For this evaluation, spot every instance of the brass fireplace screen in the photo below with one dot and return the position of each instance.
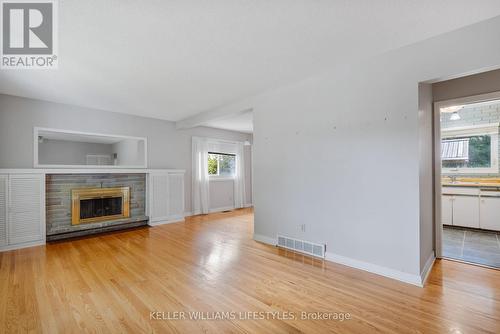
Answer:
(91, 205)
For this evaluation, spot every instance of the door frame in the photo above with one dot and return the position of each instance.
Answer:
(437, 156)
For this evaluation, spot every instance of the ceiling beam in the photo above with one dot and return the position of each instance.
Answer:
(212, 115)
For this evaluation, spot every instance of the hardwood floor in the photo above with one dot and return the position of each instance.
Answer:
(112, 283)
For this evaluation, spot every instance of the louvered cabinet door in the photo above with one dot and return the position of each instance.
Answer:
(26, 203)
(176, 196)
(3, 209)
(158, 197)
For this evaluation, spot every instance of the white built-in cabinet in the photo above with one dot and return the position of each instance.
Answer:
(4, 180)
(471, 207)
(22, 204)
(166, 196)
(447, 210)
(22, 210)
(466, 211)
(490, 210)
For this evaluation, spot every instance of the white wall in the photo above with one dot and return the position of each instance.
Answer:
(221, 195)
(168, 147)
(61, 152)
(130, 152)
(340, 152)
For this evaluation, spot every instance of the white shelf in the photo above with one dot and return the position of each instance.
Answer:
(86, 170)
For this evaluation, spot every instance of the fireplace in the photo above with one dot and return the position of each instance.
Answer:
(92, 205)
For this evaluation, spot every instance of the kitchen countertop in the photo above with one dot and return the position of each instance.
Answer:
(472, 182)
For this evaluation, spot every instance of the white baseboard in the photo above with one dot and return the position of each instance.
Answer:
(427, 267)
(370, 267)
(373, 268)
(264, 239)
(191, 213)
(214, 210)
(22, 245)
(224, 208)
(163, 222)
(376, 269)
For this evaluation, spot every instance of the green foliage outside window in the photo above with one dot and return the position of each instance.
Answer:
(221, 164)
(226, 165)
(480, 151)
(212, 164)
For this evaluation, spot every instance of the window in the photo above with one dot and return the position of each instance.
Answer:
(221, 164)
(467, 152)
(470, 150)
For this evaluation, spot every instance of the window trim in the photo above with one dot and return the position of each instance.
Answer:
(218, 177)
(219, 153)
(490, 129)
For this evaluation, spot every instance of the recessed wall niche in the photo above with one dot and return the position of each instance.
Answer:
(56, 148)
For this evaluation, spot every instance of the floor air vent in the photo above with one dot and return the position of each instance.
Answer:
(302, 246)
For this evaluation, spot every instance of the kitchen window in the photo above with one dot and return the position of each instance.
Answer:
(221, 165)
(470, 150)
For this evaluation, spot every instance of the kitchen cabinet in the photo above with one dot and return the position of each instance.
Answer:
(466, 211)
(471, 207)
(460, 206)
(447, 209)
(490, 211)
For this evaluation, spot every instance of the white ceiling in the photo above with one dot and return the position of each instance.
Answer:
(174, 59)
(242, 122)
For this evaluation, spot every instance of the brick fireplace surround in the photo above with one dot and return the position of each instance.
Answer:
(58, 203)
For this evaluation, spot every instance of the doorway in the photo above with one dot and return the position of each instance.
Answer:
(468, 179)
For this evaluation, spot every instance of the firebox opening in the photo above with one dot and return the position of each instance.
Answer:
(100, 207)
(91, 205)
